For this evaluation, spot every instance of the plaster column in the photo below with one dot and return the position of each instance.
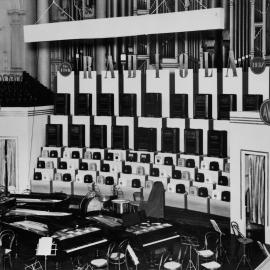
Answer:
(43, 53)
(100, 45)
(252, 28)
(115, 41)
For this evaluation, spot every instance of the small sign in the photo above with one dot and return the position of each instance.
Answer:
(265, 111)
(257, 65)
(65, 69)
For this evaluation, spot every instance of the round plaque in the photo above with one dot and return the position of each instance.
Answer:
(257, 65)
(65, 69)
(265, 111)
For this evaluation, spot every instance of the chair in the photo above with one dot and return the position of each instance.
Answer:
(244, 242)
(209, 251)
(102, 262)
(118, 255)
(7, 238)
(167, 263)
(36, 265)
(137, 200)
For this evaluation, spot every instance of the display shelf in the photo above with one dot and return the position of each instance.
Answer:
(79, 178)
(59, 150)
(63, 187)
(43, 186)
(139, 153)
(128, 192)
(70, 171)
(47, 174)
(221, 161)
(81, 189)
(219, 208)
(68, 152)
(164, 170)
(191, 171)
(114, 175)
(115, 166)
(118, 155)
(175, 200)
(105, 189)
(197, 159)
(98, 150)
(135, 165)
(48, 159)
(125, 180)
(186, 183)
(210, 187)
(199, 204)
(163, 180)
(210, 177)
(93, 161)
(159, 158)
(72, 164)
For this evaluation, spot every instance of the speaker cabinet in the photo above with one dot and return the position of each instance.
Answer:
(37, 176)
(145, 158)
(190, 163)
(109, 180)
(105, 168)
(203, 106)
(154, 172)
(62, 165)
(76, 136)
(226, 196)
(136, 183)
(83, 104)
(226, 104)
(75, 154)
(97, 156)
(62, 104)
(203, 192)
(176, 174)
(41, 164)
(179, 106)
(193, 141)
(67, 177)
(180, 188)
(98, 136)
(108, 156)
(152, 105)
(145, 139)
(168, 161)
(83, 166)
(199, 177)
(223, 180)
(132, 157)
(120, 137)
(53, 154)
(127, 169)
(170, 140)
(252, 102)
(214, 166)
(128, 105)
(54, 135)
(217, 143)
(88, 178)
(105, 105)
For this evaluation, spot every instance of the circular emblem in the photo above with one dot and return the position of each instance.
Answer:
(65, 69)
(265, 111)
(257, 65)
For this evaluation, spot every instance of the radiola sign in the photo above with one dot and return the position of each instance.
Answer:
(65, 69)
(257, 65)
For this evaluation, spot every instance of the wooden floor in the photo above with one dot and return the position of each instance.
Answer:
(188, 223)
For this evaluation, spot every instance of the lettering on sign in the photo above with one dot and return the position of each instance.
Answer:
(265, 111)
(65, 69)
(257, 65)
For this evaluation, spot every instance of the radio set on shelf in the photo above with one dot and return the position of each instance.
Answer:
(109, 180)
(127, 169)
(120, 137)
(105, 168)
(132, 157)
(193, 141)
(62, 104)
(199, 177)
(54, 135)
(190, 163)
(203, 192)
(62, 165)
(170, 140)
(105, 104)
(176, 174)
(252, 102)
(180, 188)
(128, 105)
(75, 154)
(203, 106)
(145, 139)
(76, 136)
(145, 158)
(83, 104)
(96, 156)
(168, 161)
(214, 166)
(179, 106)
(53, 154)
(83, 166)
(226, 196)
(41, 164)
(37, 176)
(217, 143)
(152, 105)
(98, 136)
(108, 156)
(154, 172)
(136, 183)
(67, 177)
(88, 178)
(223, 180)
(226, 103)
